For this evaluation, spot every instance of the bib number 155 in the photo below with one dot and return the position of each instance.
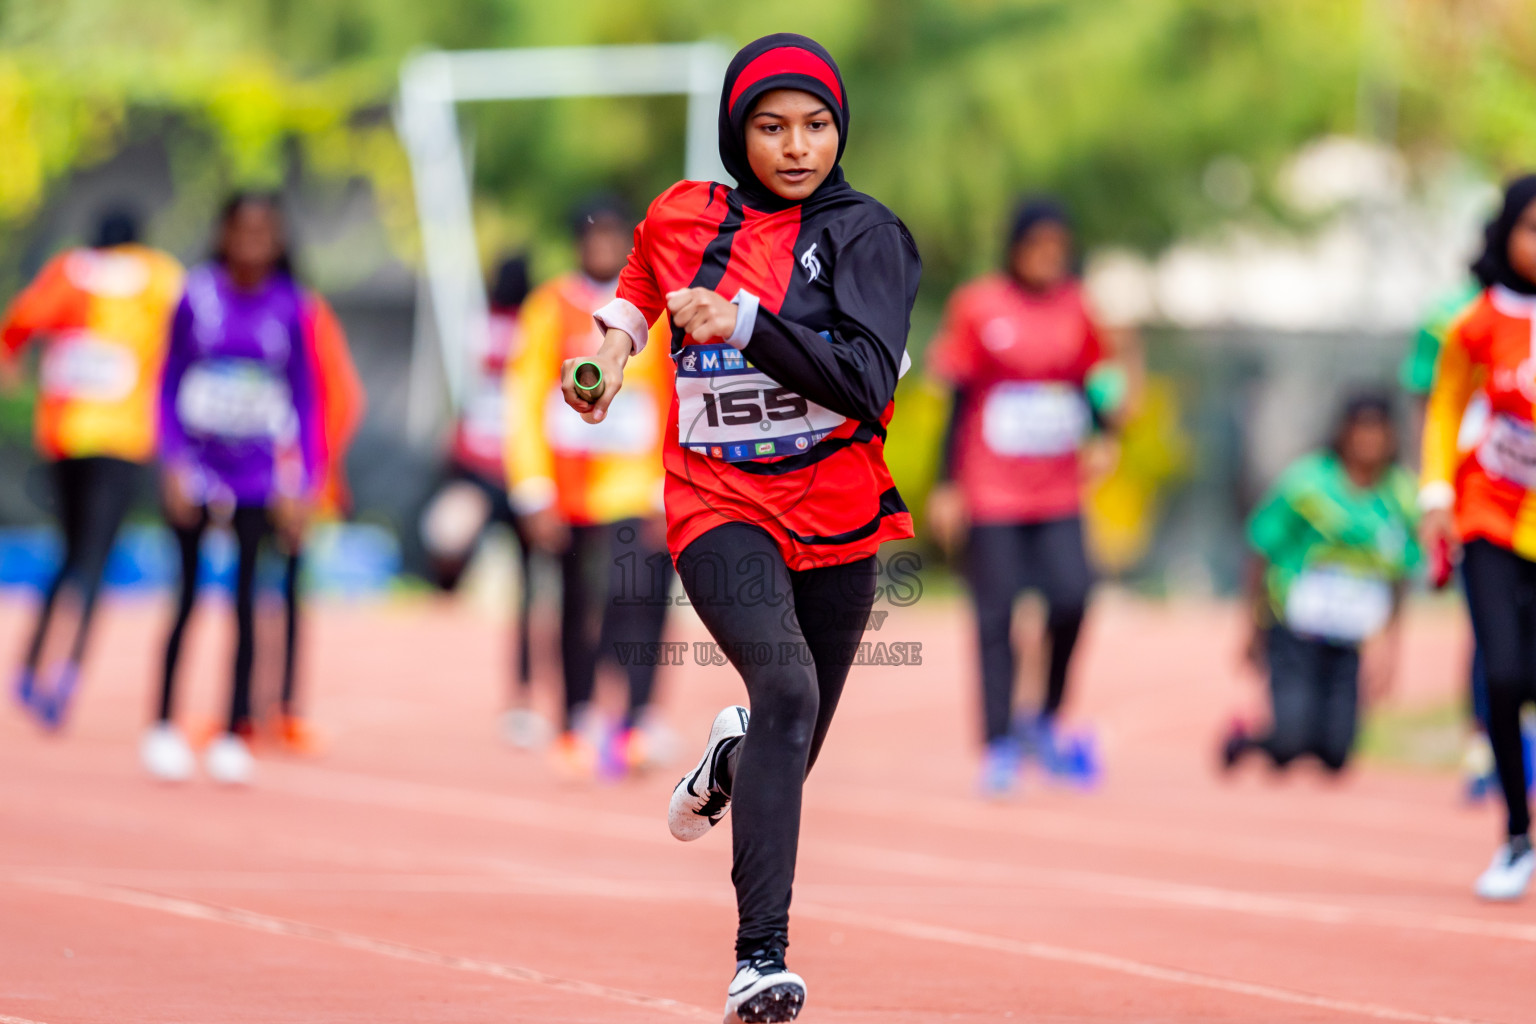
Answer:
(745, 406)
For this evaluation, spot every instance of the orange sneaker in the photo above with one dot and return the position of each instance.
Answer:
(574, 757)
(200, 732)
(296, 737)
(632, 751)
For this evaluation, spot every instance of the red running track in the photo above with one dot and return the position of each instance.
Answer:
(422, 871)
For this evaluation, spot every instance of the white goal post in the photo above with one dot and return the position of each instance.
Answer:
(432, 84)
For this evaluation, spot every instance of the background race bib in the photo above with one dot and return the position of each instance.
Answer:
(235, 399)
(1509, 451)
(728, 409)
(1335, 604)
(630, 427)
(1034, 418)
(85, 367)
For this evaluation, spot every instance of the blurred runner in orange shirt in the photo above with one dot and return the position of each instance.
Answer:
(593, 496)
(103, 314)
(1479, 499)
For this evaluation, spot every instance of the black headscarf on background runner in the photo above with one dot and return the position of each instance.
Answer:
(783, 60)
(1033, 211)
(1030, 213)
(1492, 267)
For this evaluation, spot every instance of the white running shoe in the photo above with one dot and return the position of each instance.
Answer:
(698, 803)
(525, 728)
(1509, 875)
(764, 991)
(165, 753)
(229, 761)
(661, 743)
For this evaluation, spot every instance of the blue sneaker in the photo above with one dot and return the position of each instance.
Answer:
(1078, 760)
(1000, 768)
(1071, 759)
(53, 707)
(1528, 745)
(26, 688)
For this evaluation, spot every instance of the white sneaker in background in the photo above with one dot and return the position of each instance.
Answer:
(1509, 875)
(229, 761)
(661, 742)
(525, 728)
(165, 753)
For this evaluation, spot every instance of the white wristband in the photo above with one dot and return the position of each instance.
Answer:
(746, 318)
(623, 315)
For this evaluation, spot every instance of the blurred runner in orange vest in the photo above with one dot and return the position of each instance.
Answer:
(103, 314)
(593, 496)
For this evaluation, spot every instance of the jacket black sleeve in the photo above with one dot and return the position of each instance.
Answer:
(854, 372)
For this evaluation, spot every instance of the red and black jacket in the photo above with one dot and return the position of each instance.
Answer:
(835, 277)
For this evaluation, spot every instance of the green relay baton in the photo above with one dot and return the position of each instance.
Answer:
(588, 379)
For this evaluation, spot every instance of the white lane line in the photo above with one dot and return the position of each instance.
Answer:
(1204, 897)
(1089, 830)
(634, 891)
(1120, 965)
(16, 1020)
(199, 911)
(454, 801)
(354, 787)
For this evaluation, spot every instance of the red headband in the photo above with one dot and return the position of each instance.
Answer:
(786, 60)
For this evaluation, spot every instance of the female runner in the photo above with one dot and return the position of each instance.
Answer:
(102, 313)
(790, 298)
(238, 391)
(1023, 354)
(1480, 506)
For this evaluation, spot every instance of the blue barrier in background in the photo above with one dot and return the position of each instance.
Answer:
(349, 559)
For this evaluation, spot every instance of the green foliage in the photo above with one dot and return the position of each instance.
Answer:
(958, 105)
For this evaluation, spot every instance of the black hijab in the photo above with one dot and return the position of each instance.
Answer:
(783, 60)
(1492, 267)
(1033, 211)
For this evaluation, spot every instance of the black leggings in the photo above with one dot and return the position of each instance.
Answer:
(1314, 689)
(1501, 596)
(614, 586)
(251, 526)
(93, 495)
(793, 636)
(292, 569)
(1002, 561)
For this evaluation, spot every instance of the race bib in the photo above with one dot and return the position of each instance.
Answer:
(630, 428)
(235, 399)
(728, 409)
(1332, 603)
(87, 368)
(1034, 418)
(1509, 451)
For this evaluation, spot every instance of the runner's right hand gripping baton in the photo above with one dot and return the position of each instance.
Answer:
(587, 378)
